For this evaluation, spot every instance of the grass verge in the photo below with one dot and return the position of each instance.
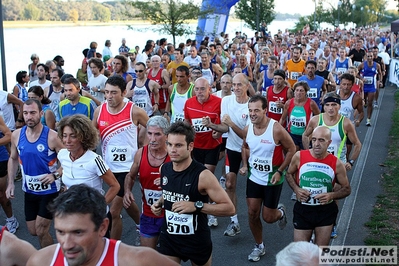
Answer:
(384, 221)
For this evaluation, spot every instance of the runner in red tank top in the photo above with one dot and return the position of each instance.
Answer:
(146, 164)
(162, 77)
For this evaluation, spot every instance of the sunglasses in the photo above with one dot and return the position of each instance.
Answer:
(139, 71)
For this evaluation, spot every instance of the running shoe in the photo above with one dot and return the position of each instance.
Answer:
(137, 241)
(222, 182)
(232, 229)
(293, 196)
(283, 220)
(334, 233)
(256, 253)
(212, 221)
(12, 225)
(375, 104)
(368, 122)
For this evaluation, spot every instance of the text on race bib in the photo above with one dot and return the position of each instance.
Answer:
(152, 196)
(179, 224)
(274, 109)
(198, 127)
(313, 192)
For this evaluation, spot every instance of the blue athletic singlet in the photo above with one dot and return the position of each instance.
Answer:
(315, 85)
(341, 67)
(37, 160)
(369, 77)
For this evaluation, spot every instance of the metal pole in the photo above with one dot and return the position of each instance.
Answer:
(2, 53)
(314, 15)
(257, 15)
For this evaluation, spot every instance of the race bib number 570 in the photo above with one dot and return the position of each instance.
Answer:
(179, 224)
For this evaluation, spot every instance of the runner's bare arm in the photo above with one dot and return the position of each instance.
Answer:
(128, 197)
(301, 194)
(308, 131)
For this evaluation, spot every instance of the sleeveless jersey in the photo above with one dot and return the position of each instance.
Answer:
(163, 93)
(266, 83)
(213, 59)
(37, 160)
(299, 117)
(338, 137)
(369, 77)
(23, 93)
(189, 229)
(272, 110)
(265, 156)
(149, 191)
(3, 151)
(119, 137)
(43, 118)
(356, 86)
(55, 96)
(341, 67)
(263, 67)
(208, 73)
(316, 176)
(177, 102)
(316, 86)
(294, 70)
(347, 109)
(142, 96)
(245, 71)
(109, 256)
(283, 58)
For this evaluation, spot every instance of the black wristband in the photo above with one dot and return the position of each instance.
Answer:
(280, 172)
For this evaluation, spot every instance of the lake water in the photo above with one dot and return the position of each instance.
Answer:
(69, 42)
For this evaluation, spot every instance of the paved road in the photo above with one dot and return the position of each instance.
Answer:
(354, 211)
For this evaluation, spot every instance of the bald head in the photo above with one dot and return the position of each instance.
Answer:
(322, 131)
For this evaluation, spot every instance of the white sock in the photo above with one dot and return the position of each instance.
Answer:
(234, 219)
(282, 213)
(137, 227)
(261, 246)
(11, 218)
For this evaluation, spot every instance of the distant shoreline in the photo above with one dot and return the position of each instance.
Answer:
(45, 24)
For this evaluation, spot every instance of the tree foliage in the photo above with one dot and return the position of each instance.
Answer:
(247, 11)
(171, 15)
(74, 15)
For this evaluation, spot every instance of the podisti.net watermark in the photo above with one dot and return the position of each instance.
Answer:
(332, 255)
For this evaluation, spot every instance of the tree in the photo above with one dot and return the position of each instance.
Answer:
(171, 15)
(31, 12)
(74, 15)
(247, 10)
(101, 13)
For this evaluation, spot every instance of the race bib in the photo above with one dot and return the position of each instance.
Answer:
(178, 117)
(120, 154)
(262, 165)
(152, 196)
(141, 103)
(332, 149)
(341, 70)
(313, 192)
(299, 122)
(198, 127)
(179, 224)
(368, 80)
(312, 93)
(34, 184)
(274, 109)
(294, 75)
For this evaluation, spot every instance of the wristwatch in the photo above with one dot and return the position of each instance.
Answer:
(199, 205)
(56, 175)
(351, 162)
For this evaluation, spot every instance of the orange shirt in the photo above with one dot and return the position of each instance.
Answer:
(294, 69)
